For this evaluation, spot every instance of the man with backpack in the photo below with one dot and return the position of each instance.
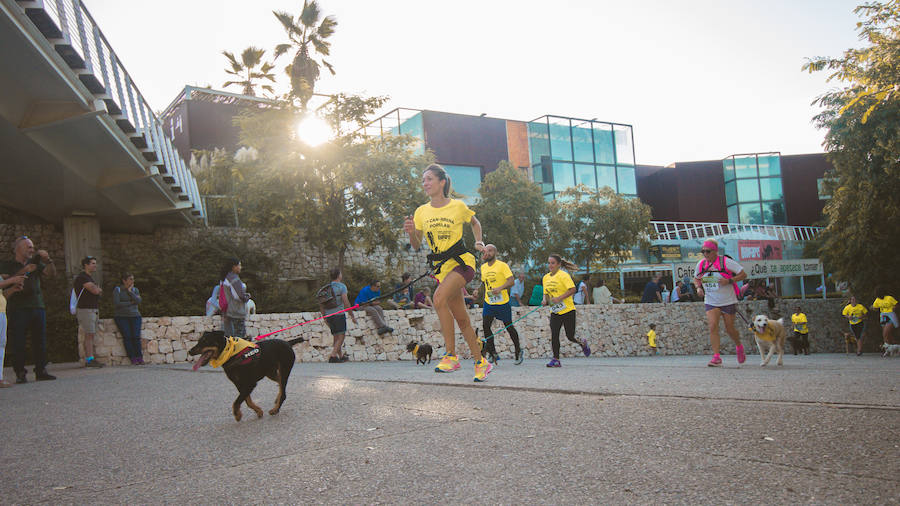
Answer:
(333, 298)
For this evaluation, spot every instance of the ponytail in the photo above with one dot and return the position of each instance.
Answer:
(564, 263)
(441, 174)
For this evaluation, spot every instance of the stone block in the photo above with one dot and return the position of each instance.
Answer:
(170, 358)
(180, 356)
(177, 345)
(165, 346)
(153, 346)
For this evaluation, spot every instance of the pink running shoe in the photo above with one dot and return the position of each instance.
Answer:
(740, 354)
(715, 362)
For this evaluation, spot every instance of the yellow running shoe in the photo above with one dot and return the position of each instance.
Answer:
(482, 369)
(449, 363)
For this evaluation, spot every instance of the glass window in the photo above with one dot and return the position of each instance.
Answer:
(537, 174)
(769, 165)
(745, 166)
(747, 190)
(728, 166)
(560, 139)
(538, 140)
(624, 145)
(465, 181)
(563, 176)
(770, 188)
(582, 143)
(773, 213)
(603, 143)
(627, 182)
(733, 214)
(606, 176)
(549, 196)
(730, 193)
(584, 174)
(750, 213)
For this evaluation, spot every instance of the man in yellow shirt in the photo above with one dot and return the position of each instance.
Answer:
(855, 313)
(558, 291)
(497, 279)
(800, 342)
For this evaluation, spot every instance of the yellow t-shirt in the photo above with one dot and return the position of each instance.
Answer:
(886, 305)
(494, 276)
(799, 320)
(854, 313)
(445, 224)
(556, 285)
(651, 337)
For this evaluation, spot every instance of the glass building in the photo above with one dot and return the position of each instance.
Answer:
(753, 189)
(567, 151)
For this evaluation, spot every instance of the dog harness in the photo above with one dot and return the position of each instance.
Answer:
(436, 259)
(718, 266)
(415, 351)
(235, 347)
(768, 335)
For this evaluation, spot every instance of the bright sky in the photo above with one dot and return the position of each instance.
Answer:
(697, 79)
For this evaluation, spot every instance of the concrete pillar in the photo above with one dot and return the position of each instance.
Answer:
(82, 238)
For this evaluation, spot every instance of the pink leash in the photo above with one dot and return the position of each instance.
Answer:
(351, 308)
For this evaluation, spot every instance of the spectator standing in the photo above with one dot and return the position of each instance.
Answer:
(651, 291)
(371, 307)
(25, 309)
(8, 287)
(676, 292)
(236, 296)
(126, 298)
(337, 324)
(537, 295)
(855, 312)
(664, 293)
(602, 295)
(582, 296)
(801, 330)
(88, 312)
(517, 291)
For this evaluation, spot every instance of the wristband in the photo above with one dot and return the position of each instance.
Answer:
(479, 242)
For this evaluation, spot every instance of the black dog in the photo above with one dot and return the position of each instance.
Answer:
(800, 343)
(272, 359)
(422, 352)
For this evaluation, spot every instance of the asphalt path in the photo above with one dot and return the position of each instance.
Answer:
(822, 429)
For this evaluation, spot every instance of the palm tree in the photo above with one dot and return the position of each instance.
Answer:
(306, 31)
(246, 70)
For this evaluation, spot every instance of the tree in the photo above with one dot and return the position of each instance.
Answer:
(596, 227)
(863, 145)
(308, 35)
(351, 191)
(872, 72)
(510, 212)
(246, 70)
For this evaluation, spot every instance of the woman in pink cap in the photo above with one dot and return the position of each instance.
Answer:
(716, 281)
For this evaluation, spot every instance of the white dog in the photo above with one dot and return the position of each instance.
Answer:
(890, 350)
(770, 336)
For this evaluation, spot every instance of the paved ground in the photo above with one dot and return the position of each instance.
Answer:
(823, 429)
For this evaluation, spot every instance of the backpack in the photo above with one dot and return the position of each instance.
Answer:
(212, 303)
(326, 297)
(73, 301)
(705, 267)
(223, 301)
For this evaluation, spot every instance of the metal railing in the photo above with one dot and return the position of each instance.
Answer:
(104, 75)
(684, 230)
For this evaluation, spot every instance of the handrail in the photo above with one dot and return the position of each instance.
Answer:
(685, 230)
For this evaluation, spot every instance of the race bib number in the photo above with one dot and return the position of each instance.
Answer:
(494, 299)
(801, 327)
(854, 320)
(710, 284)
(556, 308)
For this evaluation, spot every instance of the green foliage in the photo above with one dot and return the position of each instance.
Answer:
(871, 72)
(595, 228)
(247, 72)
(863, 144)
(510, 212)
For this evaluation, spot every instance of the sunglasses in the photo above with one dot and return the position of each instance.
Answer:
(707, 250)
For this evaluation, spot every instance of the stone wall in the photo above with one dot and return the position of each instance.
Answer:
(617, 330)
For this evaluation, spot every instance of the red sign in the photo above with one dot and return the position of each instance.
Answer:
(759, 250)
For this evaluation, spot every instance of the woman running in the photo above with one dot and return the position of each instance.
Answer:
(888, 318)
(855, 313)
(441, 223)
(716, 280)
(558, 291)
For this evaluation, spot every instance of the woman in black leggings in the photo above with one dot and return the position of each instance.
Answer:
(558, 291)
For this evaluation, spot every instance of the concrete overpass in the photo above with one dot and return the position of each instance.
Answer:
(77, 138)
